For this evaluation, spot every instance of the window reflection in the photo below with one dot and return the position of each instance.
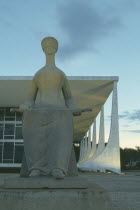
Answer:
(11, 140)
(9, 129)
(8, 150)
(18, 153)
(0, 152)
(18, 134)
(1, 114)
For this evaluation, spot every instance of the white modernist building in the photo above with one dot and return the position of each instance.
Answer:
(88, 91)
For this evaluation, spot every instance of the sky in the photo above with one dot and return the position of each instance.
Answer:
(96, 38)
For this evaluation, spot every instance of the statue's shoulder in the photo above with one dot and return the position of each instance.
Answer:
(38, 73)
(62, 73)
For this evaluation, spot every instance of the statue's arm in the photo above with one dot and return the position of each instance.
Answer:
(69, 99)
(67, 94)
(32, 93)
(31, 96)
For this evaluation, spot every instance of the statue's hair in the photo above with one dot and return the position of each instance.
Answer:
(46, 39)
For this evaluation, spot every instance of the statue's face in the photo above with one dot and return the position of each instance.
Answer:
(50, 47)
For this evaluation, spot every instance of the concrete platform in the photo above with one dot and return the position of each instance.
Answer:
(64, 194)
(46, 183)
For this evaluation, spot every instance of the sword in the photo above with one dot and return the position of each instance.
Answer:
(72, 110)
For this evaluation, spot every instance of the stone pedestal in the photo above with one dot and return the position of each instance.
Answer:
(46, 183)
(49, 194)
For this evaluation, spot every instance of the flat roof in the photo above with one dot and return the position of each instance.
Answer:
(114, 78)
(87, 91)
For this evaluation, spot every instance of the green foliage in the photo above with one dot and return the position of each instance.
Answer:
(129, 155)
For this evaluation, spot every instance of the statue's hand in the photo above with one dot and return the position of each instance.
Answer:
(77, 113)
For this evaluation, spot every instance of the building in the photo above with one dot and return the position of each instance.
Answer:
(88, 91)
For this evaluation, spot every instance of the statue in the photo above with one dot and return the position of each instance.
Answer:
(48, 125)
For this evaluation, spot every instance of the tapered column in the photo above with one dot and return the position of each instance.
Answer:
(93, 148)
(113, 142)
(81, 151)
(101, 143)
(114, 129)
(84, 149)
(88, 151)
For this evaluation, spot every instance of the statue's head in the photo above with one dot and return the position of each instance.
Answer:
(49, 45)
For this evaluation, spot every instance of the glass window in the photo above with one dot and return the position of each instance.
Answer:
(18, 153)
(0, 152)
(9, 129)
(8, 113)
(8, 150)
(8, 137)
(18, 116)
(18, 134)
(1, 115)
(12, 131)
(1, 132)
(9, 119)
(8, 161)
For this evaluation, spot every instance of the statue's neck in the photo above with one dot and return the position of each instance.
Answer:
(50, 60)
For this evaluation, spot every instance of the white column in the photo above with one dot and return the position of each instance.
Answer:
(88, 145)
(81, 151)
(84, 150)
(93, 149)
(113, 142)
(101, 143)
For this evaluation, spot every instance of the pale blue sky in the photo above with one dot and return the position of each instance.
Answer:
(99, 37)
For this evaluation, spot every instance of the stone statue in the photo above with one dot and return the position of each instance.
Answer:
(48, 125)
